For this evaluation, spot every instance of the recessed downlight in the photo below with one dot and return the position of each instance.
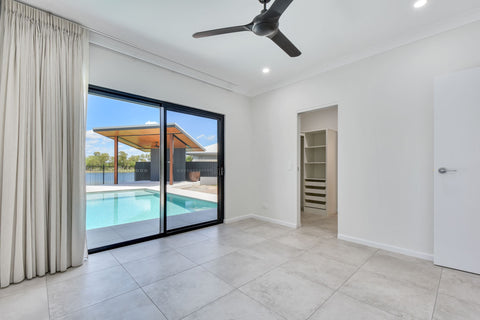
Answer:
(419, 3)
(266, 70)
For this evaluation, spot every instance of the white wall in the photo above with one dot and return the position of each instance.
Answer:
(324, 118)
(385, 120)
(117, 71)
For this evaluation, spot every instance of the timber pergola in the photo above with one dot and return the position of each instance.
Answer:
(146, 138)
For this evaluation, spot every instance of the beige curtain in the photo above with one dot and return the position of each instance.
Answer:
(43, 88)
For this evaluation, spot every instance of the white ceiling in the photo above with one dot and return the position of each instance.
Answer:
(328, 32)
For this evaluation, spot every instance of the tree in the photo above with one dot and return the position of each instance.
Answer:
(98, 159)
(145, 157)
(188, 158)
(132, 160)
(122, 159)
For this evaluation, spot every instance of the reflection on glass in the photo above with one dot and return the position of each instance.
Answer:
(192, 167)
(122, 171)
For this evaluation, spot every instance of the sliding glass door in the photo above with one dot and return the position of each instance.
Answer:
(124, 166)
(193, 168)
(152, 169)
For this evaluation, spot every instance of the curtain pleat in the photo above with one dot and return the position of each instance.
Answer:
(43, 94)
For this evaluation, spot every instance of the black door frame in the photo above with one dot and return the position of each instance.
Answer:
(169, 106)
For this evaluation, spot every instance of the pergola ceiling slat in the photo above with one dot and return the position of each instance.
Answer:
(147, 137)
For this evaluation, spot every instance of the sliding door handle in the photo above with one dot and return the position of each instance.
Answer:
(445, 170)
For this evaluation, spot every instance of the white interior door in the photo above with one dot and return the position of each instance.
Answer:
(457, 171)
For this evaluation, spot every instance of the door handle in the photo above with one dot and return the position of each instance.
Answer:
(445, 170)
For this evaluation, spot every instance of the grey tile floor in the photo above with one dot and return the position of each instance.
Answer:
(248, 270)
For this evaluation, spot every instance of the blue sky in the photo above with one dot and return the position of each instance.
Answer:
(107, 112)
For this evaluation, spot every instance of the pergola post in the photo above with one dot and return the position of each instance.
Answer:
(115, 161)
(172, 146)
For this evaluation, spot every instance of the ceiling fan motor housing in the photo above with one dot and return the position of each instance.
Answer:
(264, 27)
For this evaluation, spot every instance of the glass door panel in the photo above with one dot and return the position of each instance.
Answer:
(124, 162)
(192, 169)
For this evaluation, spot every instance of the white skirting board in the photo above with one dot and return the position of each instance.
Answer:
(236, 219)
(387, 247)
(373, 244)
(261, 218)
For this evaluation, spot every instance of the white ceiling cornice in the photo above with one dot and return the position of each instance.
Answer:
(130, 50)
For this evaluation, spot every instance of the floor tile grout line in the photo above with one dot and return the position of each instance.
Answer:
(46, 288)
(461, 299)
(201, 263)
(238, 250)
(78, 275)
(204, 268)
(48, 298)
(393, 278)
(153, 302)
(244, 284)
(465, 273)
(374, 306)
(196, 263)
(192, 243)
(271, 270)
(141, 288)
(336, 259)
(96, 303)
(145, 257)
(114, 296)
(224, 280)
(164, 278)
(93, 304)
(261, 303)
(195, 266)
(343, 283)
(436, 296)
(218, 276)
(211, 302)
(13, 286)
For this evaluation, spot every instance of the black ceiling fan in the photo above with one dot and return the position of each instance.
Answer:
(265, 24)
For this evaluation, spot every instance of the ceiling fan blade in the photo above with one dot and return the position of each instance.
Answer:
(215, 32)
(277, 8)
(285, 44)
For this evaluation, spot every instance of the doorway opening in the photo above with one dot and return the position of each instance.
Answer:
(317, 174)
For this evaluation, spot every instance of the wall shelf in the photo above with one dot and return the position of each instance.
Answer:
(320, 171)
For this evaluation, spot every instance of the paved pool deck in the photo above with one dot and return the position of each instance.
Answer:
(176, 188)
(123, 232)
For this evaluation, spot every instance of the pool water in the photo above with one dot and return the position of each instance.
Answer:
(105, 209)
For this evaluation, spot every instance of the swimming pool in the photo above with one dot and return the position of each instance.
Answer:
(105, 209)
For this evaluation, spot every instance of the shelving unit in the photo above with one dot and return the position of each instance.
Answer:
(320, 171)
